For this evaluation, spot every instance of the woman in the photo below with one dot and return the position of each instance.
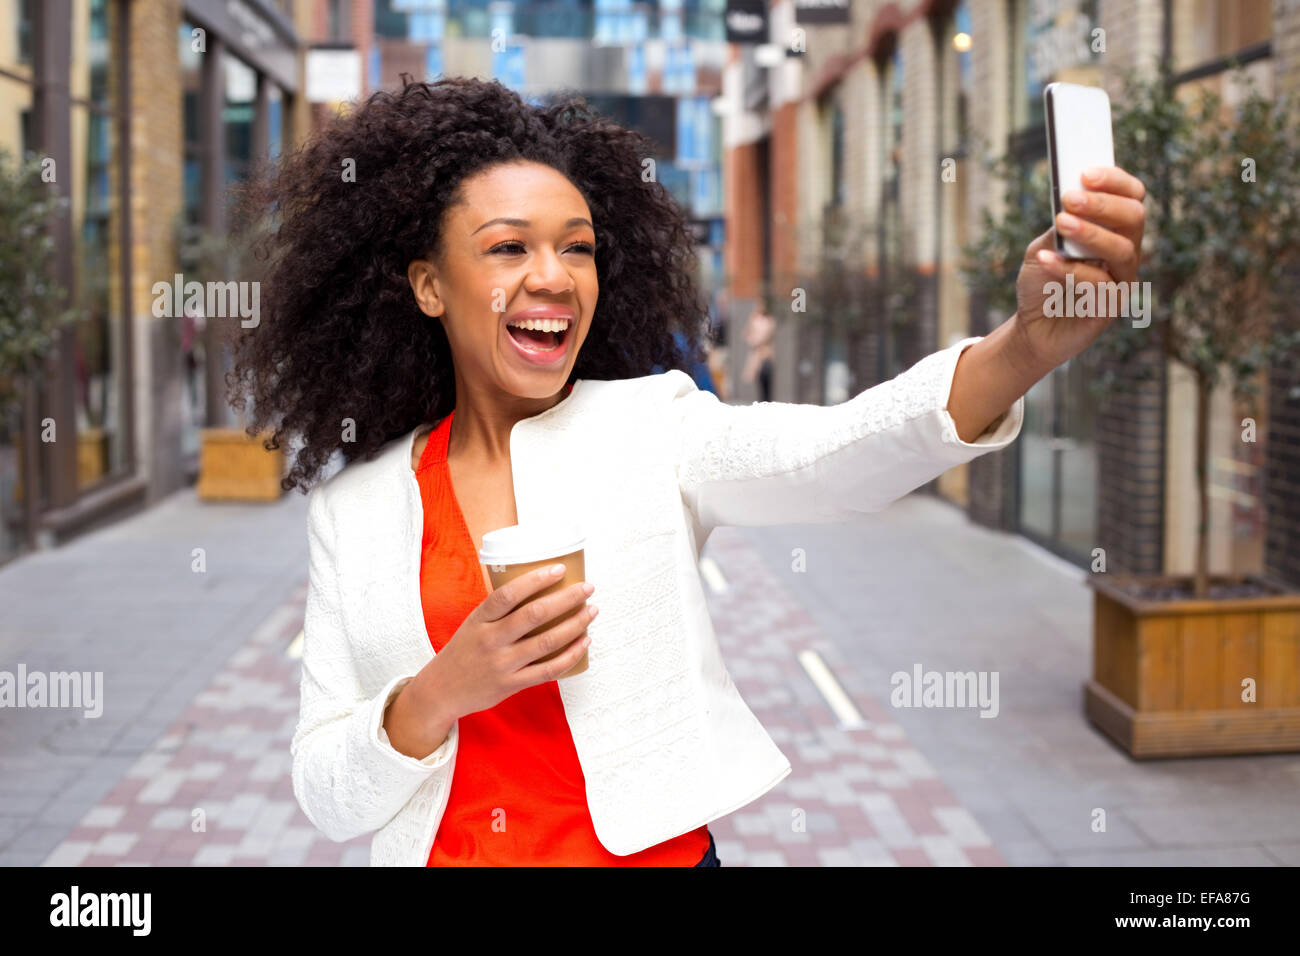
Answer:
(758, 364)
(396, 330)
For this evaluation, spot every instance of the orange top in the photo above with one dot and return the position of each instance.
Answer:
(518, 796)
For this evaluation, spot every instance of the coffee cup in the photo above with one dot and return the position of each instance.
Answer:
(518, 549)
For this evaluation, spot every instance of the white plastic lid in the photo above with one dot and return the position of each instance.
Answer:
(535, 541)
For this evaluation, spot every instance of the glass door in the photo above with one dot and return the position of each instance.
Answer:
(1056, 472)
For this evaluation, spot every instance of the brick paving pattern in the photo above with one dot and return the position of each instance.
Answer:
(856, 797)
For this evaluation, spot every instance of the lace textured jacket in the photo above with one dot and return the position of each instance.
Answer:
(648, 467)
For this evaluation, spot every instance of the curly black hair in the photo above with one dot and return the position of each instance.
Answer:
(340, 335)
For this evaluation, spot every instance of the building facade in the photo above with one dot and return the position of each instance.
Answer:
(655, 67)
(147, 112)
(865, 150)
(152, 110)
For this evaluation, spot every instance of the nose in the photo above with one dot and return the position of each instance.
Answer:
(549, 274)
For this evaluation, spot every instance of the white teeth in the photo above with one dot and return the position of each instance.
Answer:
(541, 325)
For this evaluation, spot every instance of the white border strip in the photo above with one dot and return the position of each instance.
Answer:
(830, 689)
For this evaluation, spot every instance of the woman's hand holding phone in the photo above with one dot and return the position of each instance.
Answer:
(486, 661)
(1107, 219)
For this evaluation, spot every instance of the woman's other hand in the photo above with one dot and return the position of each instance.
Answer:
(488, 659)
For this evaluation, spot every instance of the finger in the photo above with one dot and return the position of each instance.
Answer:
(543, 671)
(539, 612)
(1117, 251)
(531, 650)
(1106, 209)
(1112, 179)
(506, 598)
(1082, 271)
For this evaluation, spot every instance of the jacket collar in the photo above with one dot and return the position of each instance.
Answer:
(398, 455)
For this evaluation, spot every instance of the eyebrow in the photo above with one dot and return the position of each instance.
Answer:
(524, 223)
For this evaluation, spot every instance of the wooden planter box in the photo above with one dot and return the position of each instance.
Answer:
(92, 456)
(235, 467)
(1167, 676)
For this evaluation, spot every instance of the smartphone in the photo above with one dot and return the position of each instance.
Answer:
(1078, 136)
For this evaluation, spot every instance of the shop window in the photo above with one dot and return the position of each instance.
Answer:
(24, 31)
(336, 19)
(99, 388)
(1208, 30)
(237, 117)
(1052, 40)
(275, 120)
(190, 334)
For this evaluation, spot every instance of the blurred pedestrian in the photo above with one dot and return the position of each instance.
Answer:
(718, 344)
(758, 364)
(700, 372)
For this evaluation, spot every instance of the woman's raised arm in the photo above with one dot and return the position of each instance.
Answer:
(782, 463)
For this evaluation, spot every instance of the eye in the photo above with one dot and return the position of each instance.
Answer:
(515, 246)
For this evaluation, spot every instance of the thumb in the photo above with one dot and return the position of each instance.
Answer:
(1045, 241)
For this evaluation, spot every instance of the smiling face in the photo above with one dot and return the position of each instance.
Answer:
(519, 250)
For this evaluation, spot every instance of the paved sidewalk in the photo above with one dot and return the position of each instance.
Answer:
(868, 796)
(861, 797)
(202, 697)
(215, 789)
(919, 584)
(157, 603)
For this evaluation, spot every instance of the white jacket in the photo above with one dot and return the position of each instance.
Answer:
(648, 466)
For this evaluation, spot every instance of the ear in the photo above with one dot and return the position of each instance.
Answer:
(424, 283)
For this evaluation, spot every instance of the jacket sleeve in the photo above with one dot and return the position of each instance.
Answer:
(781, 463)
(347, 777)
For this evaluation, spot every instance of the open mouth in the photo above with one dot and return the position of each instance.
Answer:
(544, 336)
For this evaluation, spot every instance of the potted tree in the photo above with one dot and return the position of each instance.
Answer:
(1197, 664)
(32, 307)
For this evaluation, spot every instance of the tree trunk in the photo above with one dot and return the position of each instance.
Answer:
(1202, 486)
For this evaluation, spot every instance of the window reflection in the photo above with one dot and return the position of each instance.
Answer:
(97, 290)
(237, 117)
(193, 355)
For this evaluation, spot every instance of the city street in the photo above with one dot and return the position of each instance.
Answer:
(201, 685)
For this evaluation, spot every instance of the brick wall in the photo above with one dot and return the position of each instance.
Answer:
(1281, 485)
(1130, 424)
(1282, 477)
(1131, 468)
